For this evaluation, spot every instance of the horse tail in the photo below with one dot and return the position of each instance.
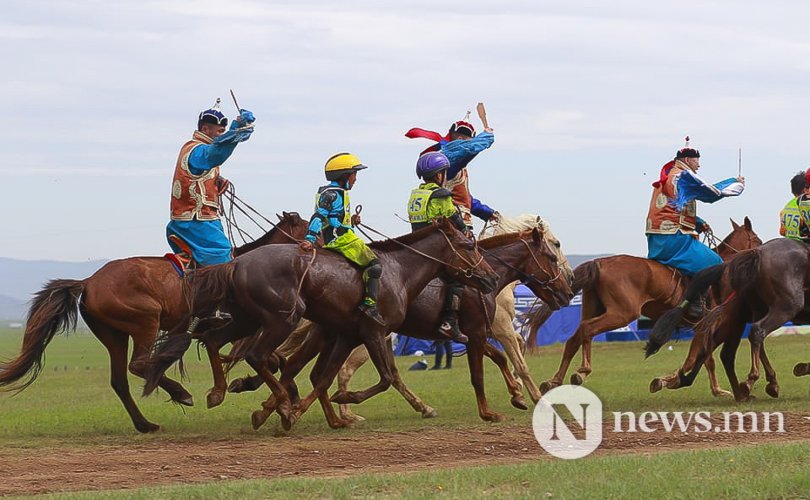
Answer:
(209, 287)
(585, 275)
(667, 324)
(708, 324)
(744, 269)
(54, 309)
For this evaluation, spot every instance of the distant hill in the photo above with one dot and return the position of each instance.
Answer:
(576, 259)
(19, 279)
(12, 309)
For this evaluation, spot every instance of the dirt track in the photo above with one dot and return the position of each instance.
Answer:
(176, 462)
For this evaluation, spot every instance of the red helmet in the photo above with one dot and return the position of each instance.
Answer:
(463, 128)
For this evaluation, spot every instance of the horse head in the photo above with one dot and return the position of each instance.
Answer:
(548, 279)
(742, 237)
(525, 222)
(466, 264)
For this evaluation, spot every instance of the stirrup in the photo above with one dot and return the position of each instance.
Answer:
(372, 312)
(451, 330)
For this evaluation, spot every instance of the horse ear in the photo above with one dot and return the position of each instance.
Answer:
(537, 235)
(747, 223)
(734, 224)
(279, 217)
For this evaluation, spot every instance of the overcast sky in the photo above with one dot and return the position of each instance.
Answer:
(587, 98)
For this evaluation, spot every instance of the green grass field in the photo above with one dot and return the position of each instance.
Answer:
(72, 404)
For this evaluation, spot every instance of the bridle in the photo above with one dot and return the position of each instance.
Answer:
(524, 276)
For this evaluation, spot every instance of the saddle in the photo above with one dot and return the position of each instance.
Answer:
(182, 261)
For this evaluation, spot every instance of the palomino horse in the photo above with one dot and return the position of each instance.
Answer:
(502, 328)
(126, 298)
(523, 256)
(618, 289)
(274, 293)
(768, 287)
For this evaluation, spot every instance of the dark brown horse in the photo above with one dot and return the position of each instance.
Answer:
(274, 293)
(127, 298)
(768, 286)
(523, 256)
(617, 290)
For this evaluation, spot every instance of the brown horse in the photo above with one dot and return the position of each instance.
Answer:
(768, 286)
(617, 290)
(274, 293)
(127, 298)
(524, 256)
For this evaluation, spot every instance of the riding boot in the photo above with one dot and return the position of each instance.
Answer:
(452, 304)
(448, 350)
(697, 307)
(371, 278)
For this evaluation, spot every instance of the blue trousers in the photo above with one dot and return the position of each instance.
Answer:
(207, 239)
(681, 251)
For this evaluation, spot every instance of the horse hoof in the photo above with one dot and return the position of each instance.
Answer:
(722, 393)
(236, 386)
(548, 385)
(147, 427)
(744, 392)
(577, 379)
(519, 403)
(338, 424)
(772, 390)
(214, 399)
(287, 421)
(258, 418)
(801, 369)
(494, 417)
(185, 401)
(353, 418)
(430, 413)
(656, 385)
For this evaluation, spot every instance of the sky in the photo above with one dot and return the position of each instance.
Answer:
(588, 99)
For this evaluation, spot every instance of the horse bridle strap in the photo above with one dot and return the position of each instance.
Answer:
(525, 276)
(467, 272)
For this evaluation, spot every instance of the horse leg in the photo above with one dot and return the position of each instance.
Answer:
(571, 348)
(117, 344)
(293, 366)
(374, 340)
(214, 339)
(511, 384)
(475, 359)
(333, 356)
(727, 356)
(357, 358)
(416, 403)
(711, 371)
(772, 389)
(759, 330)
(578, 378)
(514, 351)
(801, 369)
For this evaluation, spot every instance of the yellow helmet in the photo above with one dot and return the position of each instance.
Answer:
(341, 164)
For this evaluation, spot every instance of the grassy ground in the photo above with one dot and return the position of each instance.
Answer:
(72, 404)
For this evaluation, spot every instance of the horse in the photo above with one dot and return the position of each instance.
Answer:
(618, 289)
(768, 287)
(514, 256)
(126, 298)
(502, 328)
(274, 293)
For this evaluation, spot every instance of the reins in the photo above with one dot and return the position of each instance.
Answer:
(467, 272)
(243, 207)
(526, 276)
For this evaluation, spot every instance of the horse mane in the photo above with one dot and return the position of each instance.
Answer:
(521, 222)
(501, 239)
(406, 239)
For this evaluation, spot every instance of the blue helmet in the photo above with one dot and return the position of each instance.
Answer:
(430, 164)
(213, 116)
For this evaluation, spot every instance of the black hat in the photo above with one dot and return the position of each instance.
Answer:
(687, 152)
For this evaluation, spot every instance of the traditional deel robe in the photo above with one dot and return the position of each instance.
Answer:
(672, 221)
(195, 197)
(460, 153)
(430, 201)
(790, 219)
(332, 218)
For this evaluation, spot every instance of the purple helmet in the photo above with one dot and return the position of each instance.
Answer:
(430, 164)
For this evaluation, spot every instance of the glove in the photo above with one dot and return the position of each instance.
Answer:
(246, 117)
(305, 245)
(356, 220)
(233, 135)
